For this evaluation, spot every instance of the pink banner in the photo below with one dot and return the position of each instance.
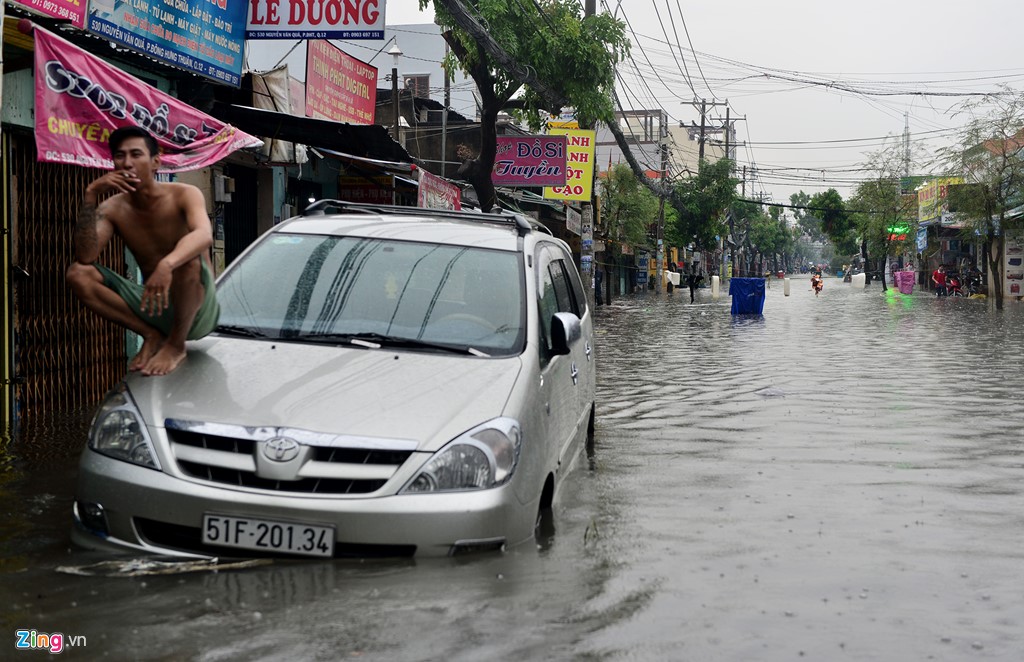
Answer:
(529, 161)
(80, 100)
(338, 86)
(72, 10)
(437, 193)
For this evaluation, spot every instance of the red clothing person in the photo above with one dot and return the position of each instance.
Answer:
(939, 278)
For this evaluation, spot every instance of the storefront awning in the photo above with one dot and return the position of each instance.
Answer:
(370, 141)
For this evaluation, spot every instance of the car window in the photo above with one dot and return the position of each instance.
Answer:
(301, 286)
(555, 291)
(547, 303)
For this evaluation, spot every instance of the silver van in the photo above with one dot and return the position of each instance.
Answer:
(384, 381)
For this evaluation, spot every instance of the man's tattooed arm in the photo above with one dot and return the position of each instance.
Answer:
(86, 241)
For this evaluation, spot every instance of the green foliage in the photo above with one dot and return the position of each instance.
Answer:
(879, 204)
(700, 203)
(627, 206)
(807, 222)
(573, 54)
(988, 154)
(830, 209)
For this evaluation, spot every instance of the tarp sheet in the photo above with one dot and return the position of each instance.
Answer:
(747, 295)
(905, 281)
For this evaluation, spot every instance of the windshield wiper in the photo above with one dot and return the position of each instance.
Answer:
(378, 340)
(243, 331)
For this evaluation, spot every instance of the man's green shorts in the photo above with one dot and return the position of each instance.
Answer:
(202, 325)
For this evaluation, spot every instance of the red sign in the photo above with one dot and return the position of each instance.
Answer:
(73, 10)
(437, 193)
(379, 190)
(338, 86)
(529, 161)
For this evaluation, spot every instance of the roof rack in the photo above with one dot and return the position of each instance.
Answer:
(501, 217)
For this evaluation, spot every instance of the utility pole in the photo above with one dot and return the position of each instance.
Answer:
(587, 266)
(727, 130)
(661, 215)
(395, 53)
(704, 104)
(444, 116)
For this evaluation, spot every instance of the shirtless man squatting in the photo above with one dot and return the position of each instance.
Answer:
(166, 228)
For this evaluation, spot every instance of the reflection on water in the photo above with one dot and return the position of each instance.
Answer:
(840, 477)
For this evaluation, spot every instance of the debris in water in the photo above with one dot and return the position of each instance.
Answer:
(140, 567)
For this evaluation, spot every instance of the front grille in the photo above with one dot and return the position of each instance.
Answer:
(190, 539)
(231, 461)
(304, 485)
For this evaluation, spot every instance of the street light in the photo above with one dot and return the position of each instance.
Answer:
(395, 52)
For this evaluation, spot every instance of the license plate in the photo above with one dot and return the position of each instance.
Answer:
(268, 535)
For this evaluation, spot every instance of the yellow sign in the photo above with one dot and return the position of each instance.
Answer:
(931, 198)
(579, 163)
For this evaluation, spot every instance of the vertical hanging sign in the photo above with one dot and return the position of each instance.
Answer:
(579, 163)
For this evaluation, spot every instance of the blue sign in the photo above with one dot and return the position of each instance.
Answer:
(922, 240)
(198, 37)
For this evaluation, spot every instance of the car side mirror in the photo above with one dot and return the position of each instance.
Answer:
(565, 331)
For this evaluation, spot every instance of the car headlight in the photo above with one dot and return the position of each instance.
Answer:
(118, 431)
(479, 459)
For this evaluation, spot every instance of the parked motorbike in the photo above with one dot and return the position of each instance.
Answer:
(954, 285)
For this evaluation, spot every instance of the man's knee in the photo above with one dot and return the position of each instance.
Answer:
(80, 276)
(189, 274)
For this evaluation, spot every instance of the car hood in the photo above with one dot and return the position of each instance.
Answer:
(425, 397)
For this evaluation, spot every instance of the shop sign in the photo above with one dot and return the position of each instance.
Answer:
(314, 19)
(378, 190)
(80, 100)
(437, 193)
(1014, 267)
(573, 221)
(338, 86)
(206, 38)
(579, 163)
(70, 10)
(529, 161)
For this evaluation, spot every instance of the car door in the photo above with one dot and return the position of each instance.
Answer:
(583, 351)
(560, 373)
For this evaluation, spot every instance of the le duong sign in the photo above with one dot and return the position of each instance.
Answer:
(315, 19)
(529, 161)
(80, 100)
(206, 37)
(71, 10)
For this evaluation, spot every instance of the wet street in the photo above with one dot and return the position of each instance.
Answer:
(840, 479)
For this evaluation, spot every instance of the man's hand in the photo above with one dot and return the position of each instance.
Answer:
(156, 294)
(121, 181)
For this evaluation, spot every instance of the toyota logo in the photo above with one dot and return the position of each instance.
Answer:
(281, 449)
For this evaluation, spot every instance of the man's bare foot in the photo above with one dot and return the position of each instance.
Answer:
(149, 348)
(164, 361)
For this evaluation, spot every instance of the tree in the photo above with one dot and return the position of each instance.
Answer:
(835, 221)
(530, 61)
(882, 213)
(700, 203)
(628, 207)
(987, 153)
(810, 224)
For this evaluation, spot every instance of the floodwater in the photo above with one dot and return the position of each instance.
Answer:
(840, 479)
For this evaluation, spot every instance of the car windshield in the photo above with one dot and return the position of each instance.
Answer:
(331, 289)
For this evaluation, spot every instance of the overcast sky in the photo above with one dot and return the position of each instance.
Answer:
(810, 72)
